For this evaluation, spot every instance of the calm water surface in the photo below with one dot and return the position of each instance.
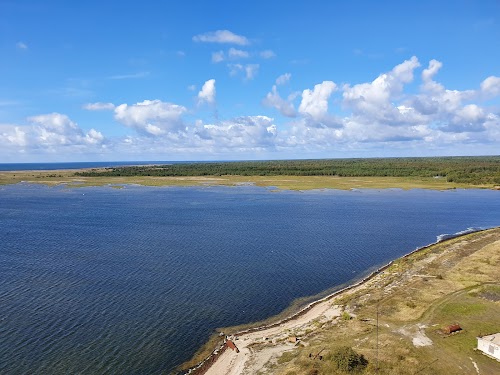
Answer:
(111, 281)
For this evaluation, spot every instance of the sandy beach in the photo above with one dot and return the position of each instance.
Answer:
(261, 346)
(256, 349)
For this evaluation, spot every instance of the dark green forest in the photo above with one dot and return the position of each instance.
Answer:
(468, 170)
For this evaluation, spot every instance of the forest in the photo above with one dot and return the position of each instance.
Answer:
(470, 170)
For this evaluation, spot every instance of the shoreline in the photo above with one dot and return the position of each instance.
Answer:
(206, 364)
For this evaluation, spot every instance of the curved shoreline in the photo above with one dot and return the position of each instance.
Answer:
(204, 365)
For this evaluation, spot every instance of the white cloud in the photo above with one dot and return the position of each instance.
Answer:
(13, 135)
(21, 46)
(221, 36)
(207, 92)
(490, 87)
(130, 76)
(315, 102)
(249, 70)
(378, 115)
(374, 99)
(267, 54)
(94, 137)
(234, 53)
(191, 87)
(152, 117)
(284, 78)
(52, 133)
(99, 106)
(217, 57)
(57, 129)
(428, 74)
(285, 107)
(244, 133)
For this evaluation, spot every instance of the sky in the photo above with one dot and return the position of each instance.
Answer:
(235, 80)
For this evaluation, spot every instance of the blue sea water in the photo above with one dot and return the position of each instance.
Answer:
(75, 165)
(98, 280)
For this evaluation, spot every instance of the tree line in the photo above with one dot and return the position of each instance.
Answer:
(470, 170)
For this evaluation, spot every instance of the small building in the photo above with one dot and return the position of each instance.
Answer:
(452, 328)
(231, 345)
(490, 345)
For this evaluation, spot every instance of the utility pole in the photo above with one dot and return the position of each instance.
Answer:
(376, 368)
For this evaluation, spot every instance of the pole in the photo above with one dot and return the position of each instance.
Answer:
(376, 368)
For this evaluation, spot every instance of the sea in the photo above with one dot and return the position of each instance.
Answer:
(133, 280)
(78, 165)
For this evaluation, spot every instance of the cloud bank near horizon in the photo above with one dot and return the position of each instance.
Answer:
(405, 108)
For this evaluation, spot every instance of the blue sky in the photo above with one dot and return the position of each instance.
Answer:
(227, 80)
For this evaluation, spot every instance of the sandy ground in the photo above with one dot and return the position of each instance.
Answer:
(260, 348)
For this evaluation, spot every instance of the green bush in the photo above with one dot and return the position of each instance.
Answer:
(346, 359)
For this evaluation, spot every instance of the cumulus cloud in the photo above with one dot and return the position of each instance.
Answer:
(152, 117)
(13, 135)
(374, 99)
(99, 106)
(207, 92)
(284, 78)
(274, 100)
(315, 102)
(58, 129)
(221, 36)
(244, 133)
(379, 113)
(490, 87)
(49, 133)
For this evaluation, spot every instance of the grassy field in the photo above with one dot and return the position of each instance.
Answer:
(454, 282)
(67, 177)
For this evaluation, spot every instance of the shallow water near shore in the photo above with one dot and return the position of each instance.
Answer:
(134, 280)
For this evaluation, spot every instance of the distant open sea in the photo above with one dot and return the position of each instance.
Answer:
(76, 165)
(98, 280)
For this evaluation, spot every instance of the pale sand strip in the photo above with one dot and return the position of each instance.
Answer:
(249, 360)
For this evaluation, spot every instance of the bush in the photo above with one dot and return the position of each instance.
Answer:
(346, 359)
(346, 316)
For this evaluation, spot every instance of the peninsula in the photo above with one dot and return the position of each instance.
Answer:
(397, 321)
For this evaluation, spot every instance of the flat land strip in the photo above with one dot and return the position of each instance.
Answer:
(406, 173)
(416, 298)
(64, 177)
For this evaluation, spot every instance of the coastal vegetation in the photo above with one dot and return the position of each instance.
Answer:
(465, 170)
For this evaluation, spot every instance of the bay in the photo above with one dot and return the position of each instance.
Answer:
(135, 280)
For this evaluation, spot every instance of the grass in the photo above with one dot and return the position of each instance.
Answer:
(53, 178)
